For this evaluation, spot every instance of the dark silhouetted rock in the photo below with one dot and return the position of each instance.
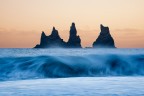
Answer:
(51, 41)
(54, 40)
(105, 39)
(74, 40)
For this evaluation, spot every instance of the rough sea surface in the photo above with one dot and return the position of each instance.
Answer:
(71, 72)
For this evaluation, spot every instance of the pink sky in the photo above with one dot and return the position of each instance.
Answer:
(21, 22)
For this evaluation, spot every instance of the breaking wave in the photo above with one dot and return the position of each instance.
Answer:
(15, 68)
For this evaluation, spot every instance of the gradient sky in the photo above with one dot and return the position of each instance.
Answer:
(21, 21)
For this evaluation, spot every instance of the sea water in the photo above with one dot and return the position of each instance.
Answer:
(71, 72)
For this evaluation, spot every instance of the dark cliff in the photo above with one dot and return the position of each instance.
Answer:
(51, 41)
(74, 40)
(54, 40)
(105, 39)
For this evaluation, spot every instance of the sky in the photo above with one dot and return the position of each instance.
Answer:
(22, 21)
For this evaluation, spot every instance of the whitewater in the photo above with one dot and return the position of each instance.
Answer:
(71, 72)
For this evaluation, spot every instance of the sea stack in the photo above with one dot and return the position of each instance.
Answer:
(74, 40)
(105, 39)
(51, 41)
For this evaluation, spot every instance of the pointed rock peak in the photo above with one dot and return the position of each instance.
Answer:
(54, 32)
(101, 26)
(104, 29)
(43, 34)
(105, 39)
(73, 29)
(54, 29)
(74, 40)
(73, 24)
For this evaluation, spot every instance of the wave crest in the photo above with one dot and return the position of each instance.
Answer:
(13, 68)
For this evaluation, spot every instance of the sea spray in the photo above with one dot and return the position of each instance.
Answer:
(30, 67)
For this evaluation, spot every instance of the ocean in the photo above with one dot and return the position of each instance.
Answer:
(71, 72)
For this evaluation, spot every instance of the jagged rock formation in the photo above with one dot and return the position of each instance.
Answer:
(51, 41)
(74, 40)
(54, 40)
(105, 39)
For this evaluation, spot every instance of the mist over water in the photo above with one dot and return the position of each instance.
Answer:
(71, 72)
(17, 64)
(20, 52)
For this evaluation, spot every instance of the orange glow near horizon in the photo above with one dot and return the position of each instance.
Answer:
(21, 22)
